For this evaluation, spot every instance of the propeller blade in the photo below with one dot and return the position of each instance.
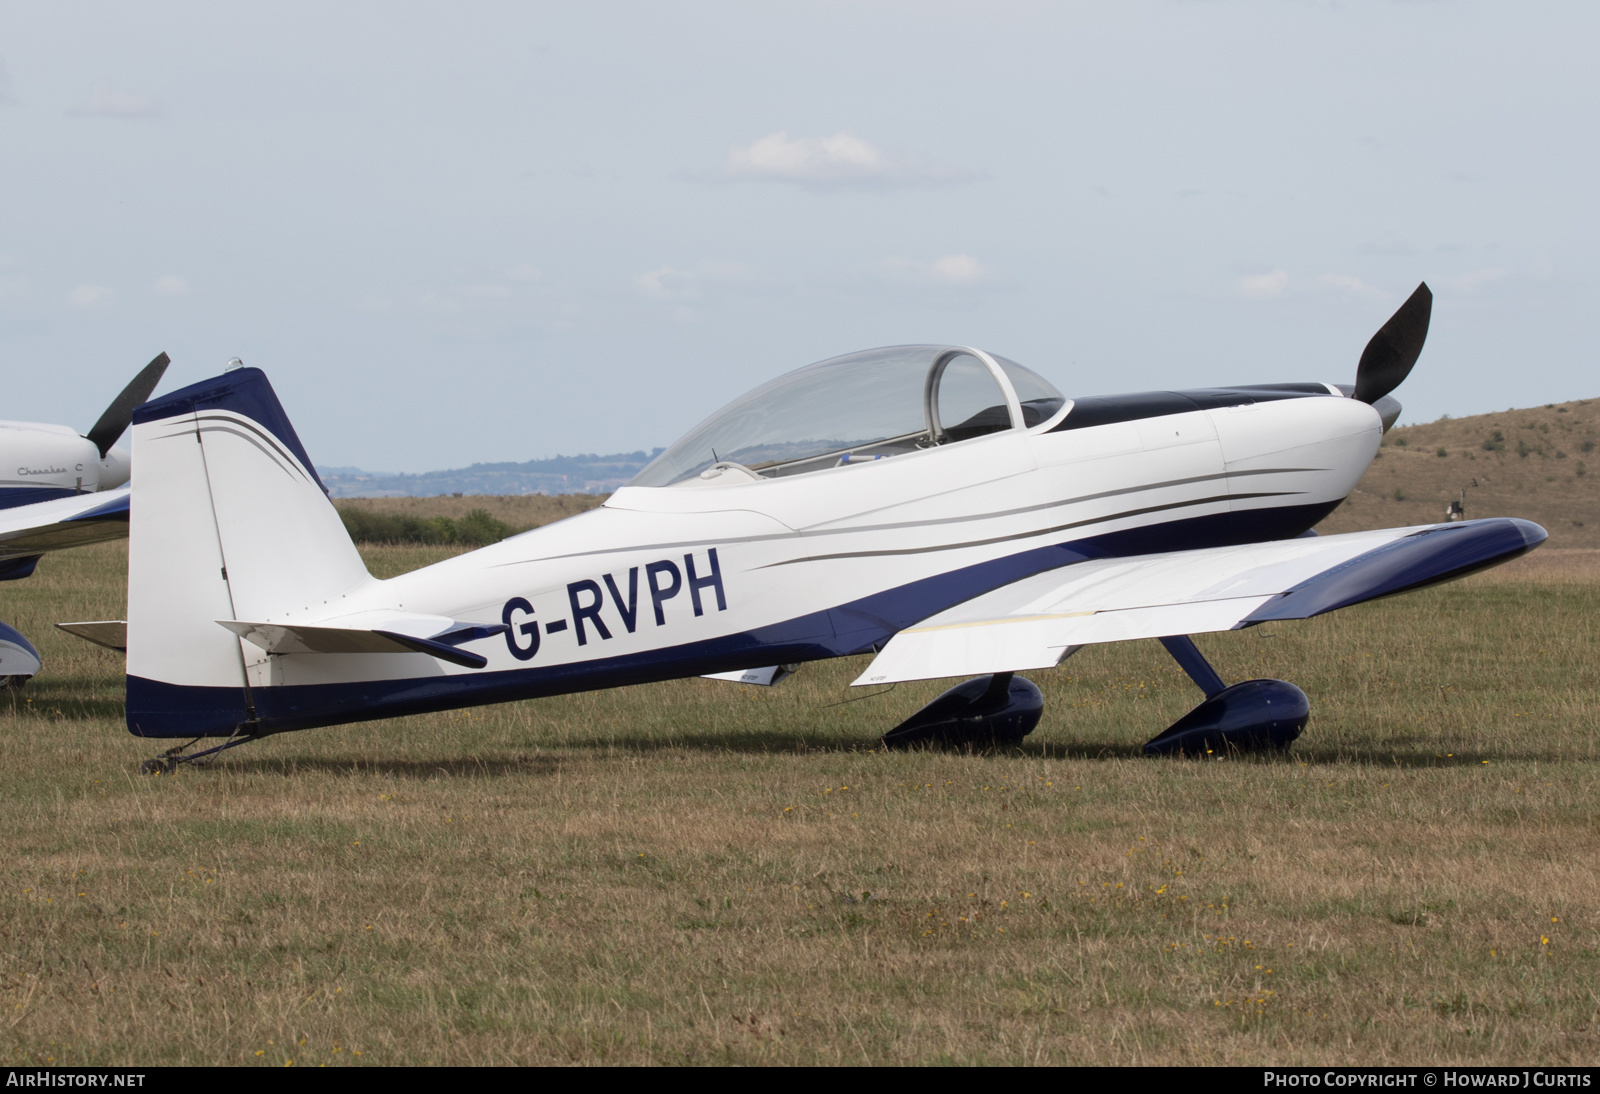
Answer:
(114, 422)
(1388, 358)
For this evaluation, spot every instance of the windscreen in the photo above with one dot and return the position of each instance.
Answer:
(1038, 396)
(863, 405)
(833, 406)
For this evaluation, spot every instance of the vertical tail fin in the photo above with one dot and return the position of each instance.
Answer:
(228, 521)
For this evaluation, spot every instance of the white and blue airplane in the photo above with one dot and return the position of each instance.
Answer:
(941, 507)
(61, 489)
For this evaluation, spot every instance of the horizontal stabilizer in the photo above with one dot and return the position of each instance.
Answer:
(110, 633)
(1035, 622)
(763, 677)
(435, 636)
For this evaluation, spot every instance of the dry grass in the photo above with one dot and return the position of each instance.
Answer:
(704, 872)
(520, 511)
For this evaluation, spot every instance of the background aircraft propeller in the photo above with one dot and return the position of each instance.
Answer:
(119, 415)
(1388, 358)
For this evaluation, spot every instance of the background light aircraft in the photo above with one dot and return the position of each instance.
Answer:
(53, 494)
(939, 506)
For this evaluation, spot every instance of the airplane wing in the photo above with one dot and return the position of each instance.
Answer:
(1036, 622)
(30, 530)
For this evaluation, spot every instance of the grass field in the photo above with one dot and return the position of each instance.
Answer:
(703, 872)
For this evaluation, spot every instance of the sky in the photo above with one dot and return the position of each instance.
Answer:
(476, 232)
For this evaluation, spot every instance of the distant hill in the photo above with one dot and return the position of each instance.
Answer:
(1541, 463)
(589, 474)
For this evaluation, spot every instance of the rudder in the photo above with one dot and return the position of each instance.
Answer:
(228, 521)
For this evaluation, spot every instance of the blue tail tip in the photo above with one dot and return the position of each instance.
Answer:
(243, 391)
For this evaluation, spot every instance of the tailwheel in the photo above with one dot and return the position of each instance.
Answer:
(168, 761)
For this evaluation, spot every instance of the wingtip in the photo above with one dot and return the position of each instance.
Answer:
(1532, 534)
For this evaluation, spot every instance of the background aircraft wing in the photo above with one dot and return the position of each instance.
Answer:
(30, 530)
(1035, 622)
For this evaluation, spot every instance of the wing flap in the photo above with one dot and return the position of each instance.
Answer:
(1036, 622)
(1002, 645)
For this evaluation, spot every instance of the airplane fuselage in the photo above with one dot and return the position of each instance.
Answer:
(728, 571)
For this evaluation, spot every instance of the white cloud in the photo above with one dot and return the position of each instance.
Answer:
(6, 98)
(88, 296)
(956, 269)
(171, 285)
(959, 269)
(668, 283)
(1477, 279)
(1350, 284)
(840, 161)
(478, 298)
(806, 159)
(1261, 286)
(672, 284)
(720, 270)
(484, 292)
(105, 103)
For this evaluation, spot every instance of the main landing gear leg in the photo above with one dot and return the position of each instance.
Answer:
(169, 760)
(1255, 715)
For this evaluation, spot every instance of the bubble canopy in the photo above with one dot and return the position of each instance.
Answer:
(859, 407)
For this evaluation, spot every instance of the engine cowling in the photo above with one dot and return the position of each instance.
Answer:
(52, 458)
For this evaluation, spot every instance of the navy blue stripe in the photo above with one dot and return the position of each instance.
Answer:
(30, 495)
(1136, 406)
(157, 709)
(243, 391)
